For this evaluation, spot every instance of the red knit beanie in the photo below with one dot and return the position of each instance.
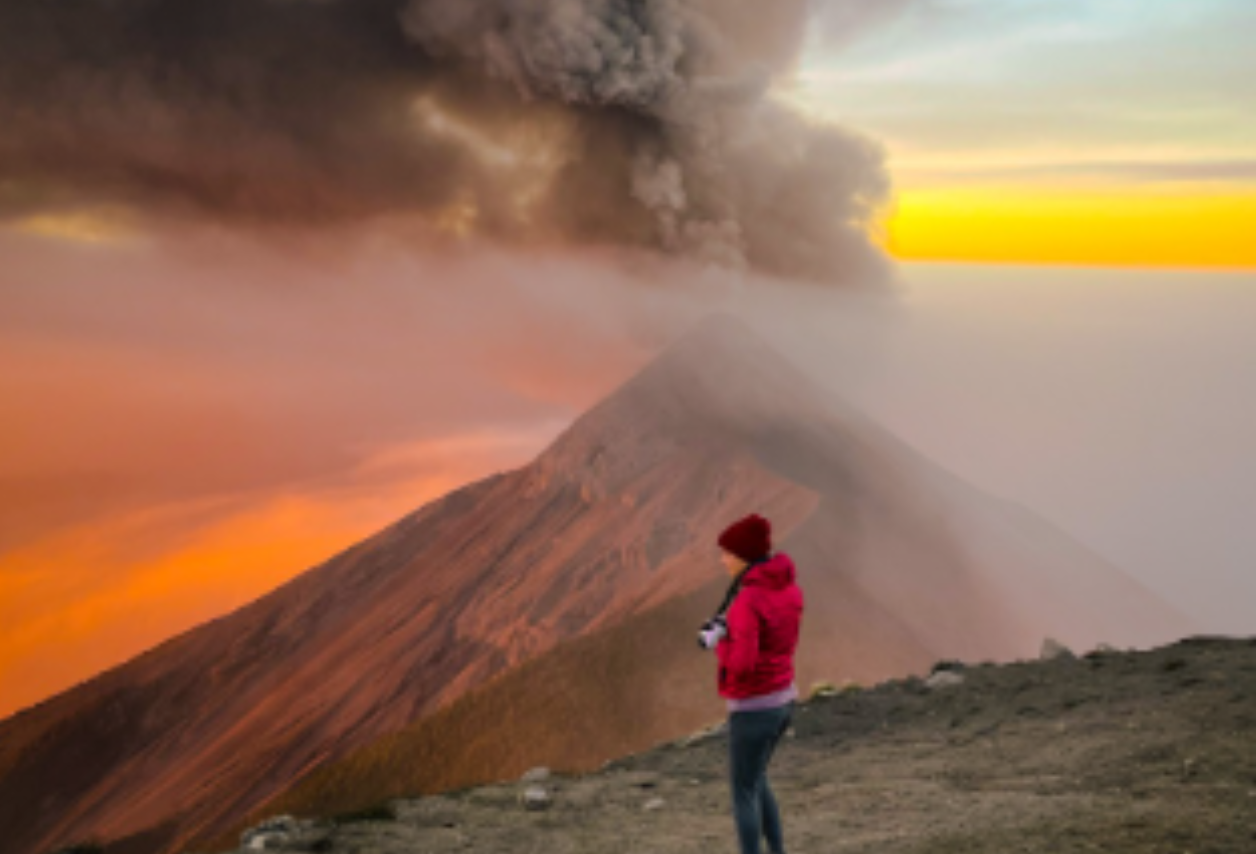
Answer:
(749, 538)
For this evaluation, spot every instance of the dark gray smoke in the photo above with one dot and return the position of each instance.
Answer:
(639, 123)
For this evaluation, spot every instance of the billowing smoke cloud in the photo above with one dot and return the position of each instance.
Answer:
(635, 123)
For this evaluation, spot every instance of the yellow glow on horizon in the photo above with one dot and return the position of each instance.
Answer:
(1136, 227)
(78, 227)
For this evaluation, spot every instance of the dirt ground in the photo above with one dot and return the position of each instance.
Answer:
(1149, 752)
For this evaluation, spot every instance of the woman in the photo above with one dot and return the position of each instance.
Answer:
(755, 633)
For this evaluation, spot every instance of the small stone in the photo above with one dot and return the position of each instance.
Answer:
(535, 798)
(822, 689)
(270, 833)
(654, 804)
(535, 775)
(944, 679)
(268, 840)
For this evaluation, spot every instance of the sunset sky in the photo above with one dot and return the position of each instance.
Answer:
(1115, 132)
(193, 415)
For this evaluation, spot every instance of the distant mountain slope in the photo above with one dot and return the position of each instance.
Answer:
(619, 515)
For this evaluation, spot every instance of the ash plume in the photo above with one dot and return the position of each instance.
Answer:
(635, 123)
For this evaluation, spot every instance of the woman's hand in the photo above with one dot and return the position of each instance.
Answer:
(711, 632)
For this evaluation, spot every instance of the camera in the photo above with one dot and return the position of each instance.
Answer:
(711, 632)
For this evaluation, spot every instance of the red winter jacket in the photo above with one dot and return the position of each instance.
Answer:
(757, 655)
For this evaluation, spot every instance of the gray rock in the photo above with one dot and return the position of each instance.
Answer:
(536, 775)
(822, 689)
(283, 832)
(1052, 649)
(654, 804)
(271, 833)
(535, 798)
(944, 679)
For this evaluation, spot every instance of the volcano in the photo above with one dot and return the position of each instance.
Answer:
(902, 564)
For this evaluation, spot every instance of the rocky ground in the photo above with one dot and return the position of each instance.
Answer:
(1149, 751)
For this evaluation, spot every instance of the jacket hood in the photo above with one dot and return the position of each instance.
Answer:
(776, 572)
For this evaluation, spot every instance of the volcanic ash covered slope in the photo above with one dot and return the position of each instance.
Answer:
(1121, 752)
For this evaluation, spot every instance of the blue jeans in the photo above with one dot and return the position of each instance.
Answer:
(752, 738)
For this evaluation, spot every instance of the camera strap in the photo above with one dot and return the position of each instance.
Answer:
(735, 588)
